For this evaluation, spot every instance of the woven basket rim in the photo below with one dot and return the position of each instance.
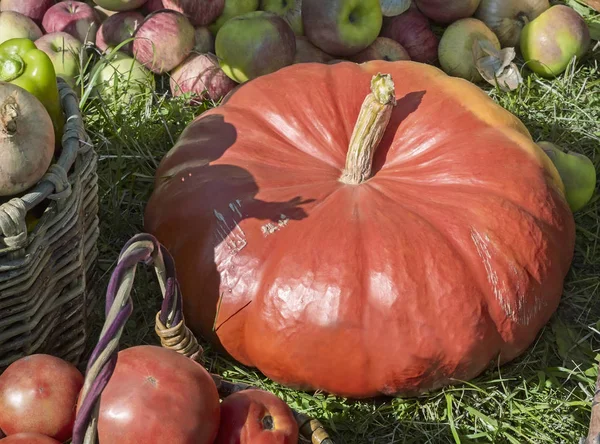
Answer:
(75, 141)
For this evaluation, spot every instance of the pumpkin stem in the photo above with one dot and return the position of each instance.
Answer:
(374, 116)
(9, 112)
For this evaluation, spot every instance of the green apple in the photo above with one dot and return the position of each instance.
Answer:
(119, 5)
(117, 77)
(455, 51)
(64, 50)
(233, 8)
(254, 44)
(290, 10)
(342, 27)
(550, 41)
(577, 173)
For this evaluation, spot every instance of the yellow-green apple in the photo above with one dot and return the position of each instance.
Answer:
(254, 44)
(204, 40)
(65, 52)
(34, 9)
(16, 25)
(306, 52)
(118, 28)
(508, 17)
(382, 48)
(455, 51)
(447, 11)
(163, 40)
(256, 416)
(341, 27)
(199, 12)
(102, 13)
(117, 78)
(120, 5)
(413, 31)
(76, 18)
(289, 10)
(577, 173)
(392, 8)
(233, 8)
(200, 76)
(550, 41)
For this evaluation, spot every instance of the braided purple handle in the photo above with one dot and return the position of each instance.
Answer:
(103, 360)
(141, 248)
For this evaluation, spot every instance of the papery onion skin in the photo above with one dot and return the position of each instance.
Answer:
(507, 18)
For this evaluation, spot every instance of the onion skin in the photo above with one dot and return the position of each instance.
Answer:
(447, 11)
(507, 18)
(26, 139)
(412, 30)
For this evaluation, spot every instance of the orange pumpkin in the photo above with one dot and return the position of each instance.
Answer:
(451, 254)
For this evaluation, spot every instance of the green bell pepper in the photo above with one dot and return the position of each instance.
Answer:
(22, 64)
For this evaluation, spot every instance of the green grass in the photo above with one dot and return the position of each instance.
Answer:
(542, 397)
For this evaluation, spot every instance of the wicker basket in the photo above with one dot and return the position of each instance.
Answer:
(46, 275)
(169, 326)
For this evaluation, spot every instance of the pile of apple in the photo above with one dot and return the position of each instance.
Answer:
(155, 395)
(207, 47)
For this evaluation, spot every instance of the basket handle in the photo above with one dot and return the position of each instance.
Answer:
(170, 327)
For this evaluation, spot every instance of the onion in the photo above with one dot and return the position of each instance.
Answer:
(508, 17)
(412, 30)
(26, 139)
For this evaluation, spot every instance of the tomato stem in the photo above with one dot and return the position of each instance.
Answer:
(372, 121)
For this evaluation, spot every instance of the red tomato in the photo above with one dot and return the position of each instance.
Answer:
(256, 417)
(38, 393)
(29, 438)
(157, 395)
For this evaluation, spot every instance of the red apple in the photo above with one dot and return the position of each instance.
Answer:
(118, 28)
(16, 25)
(38, 393)
(163, 41)
(204, 40)
(201, 75)
(256, 417)
(199, 12)
(76, 18)
(29, 438)
(34, 9)
(412, 30)
(152, 6)
(382, 48)
(306, 52)
(447, 11)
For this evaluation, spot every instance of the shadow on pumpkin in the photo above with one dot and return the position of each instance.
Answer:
(405, 106)
(224, 195)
